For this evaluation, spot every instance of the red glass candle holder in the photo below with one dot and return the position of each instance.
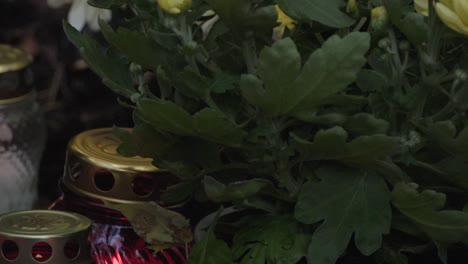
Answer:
(94, 173)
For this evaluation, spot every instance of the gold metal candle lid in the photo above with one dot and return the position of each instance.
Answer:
(94, 169)
(12, 59)
(99, 147)
(14, 87)
(42, 236)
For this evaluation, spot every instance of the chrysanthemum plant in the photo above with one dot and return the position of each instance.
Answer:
(325, 131)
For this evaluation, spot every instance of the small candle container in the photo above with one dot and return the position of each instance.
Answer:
(42, 236)
(22, 132)
(94, 174)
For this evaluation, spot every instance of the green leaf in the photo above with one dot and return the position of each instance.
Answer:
(326, 12)
(215, 126)
(224, 82)
(282, 88)
(370, 81)
(166, 116)
(105, 3)
(178, 193)
(210, 251)
(415, 28)
(278, 67)
(209, 124)
(394, 10)
(348, 201)
(424, 209)
(155, 224)
(134, 44)
(270, 239)
(445, 135)
(331, 144)
(455, 170)
(461, 98)
(108, 66)
(193, 84)
(220, 192)
(239, 14)
(231, 11)
(144, 141)
(366, 124)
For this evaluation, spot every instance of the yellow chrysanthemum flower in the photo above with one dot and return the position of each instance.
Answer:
(285, 22)
(454, 13)
(175, 6)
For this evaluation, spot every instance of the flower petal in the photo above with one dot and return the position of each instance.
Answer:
(422, 6)
(77, 14)
(95, 14)
(448, 3)
(461, 8)
(451, 19)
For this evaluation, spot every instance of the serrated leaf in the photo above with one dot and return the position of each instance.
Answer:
(155, 224)
(278, 67)
(270, 239)
(326, 12)
(370, 81)
(224, 82)
(215, 126)
(415, 28)
(445, 135)
(178, 193)
(166, 116)
(366, 124)
(239, 14)
(231, 11)
(109, 67)
(455, 170)
(282, 88)
(220, 192)
(144, 141)
(424, 209)
(348, 201)
(134, 44)
(331, 144)
(210, 251)
(193, 84)
(209, 124)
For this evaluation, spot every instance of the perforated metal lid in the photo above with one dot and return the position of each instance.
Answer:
(94, 169)
(41, 236)
(42, 224)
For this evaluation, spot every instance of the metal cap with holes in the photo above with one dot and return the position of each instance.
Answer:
(94, 169)
(15, 79)
(41, 236)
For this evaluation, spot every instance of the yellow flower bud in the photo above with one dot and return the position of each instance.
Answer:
(379, 18)
(454, 13)
(175, 6)
(352, 7)
(422, 6)
(285, 22)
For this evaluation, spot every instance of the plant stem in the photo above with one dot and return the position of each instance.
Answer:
(250, 56)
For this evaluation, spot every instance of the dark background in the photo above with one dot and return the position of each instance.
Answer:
(72, 97)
